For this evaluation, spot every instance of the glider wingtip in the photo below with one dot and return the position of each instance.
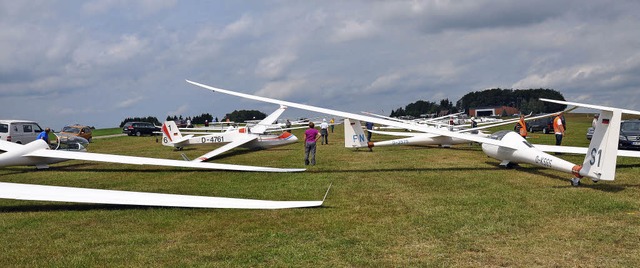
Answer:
(327, 193)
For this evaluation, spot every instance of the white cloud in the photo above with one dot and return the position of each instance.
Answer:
(144, 6)
(273, 66)
(237, 28)
(284, 89)
(349, 55)
(130, 102)
(351, 30)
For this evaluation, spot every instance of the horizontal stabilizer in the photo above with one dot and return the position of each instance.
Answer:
(240, 140)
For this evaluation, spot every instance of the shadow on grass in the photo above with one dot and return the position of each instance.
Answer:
(419, 147)
(448, 169)
(104, 207)
(87, 167)
(242, 151)
(72, 207)
(605, 187)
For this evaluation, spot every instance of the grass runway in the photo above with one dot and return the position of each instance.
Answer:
(395, 206)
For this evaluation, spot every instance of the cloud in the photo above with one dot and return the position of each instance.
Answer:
(237, 28)
(130, 102)
(348, 55)
(273, 66)
(284, 89)
(182, 110)
(96, 7)
(351, 30)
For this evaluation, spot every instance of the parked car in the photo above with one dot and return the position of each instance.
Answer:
(19, 131)
(139, 128)
(543, 124)
(590, 133)
(78, 131)
(629, 134)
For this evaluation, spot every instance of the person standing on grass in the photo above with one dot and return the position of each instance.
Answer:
(522, 127)
(324, 132)
(369, 127)
(331, 122)
(558, 128)
(311, 136)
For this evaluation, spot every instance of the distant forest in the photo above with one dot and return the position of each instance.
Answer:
(244, 115)
(526, 100)
(198, 119)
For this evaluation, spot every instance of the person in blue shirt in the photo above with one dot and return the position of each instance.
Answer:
(44, 135)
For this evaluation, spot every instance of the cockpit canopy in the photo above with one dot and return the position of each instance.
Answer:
(499, 134)
(72, 143)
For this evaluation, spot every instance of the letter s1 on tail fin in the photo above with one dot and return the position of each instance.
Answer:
(354, 136)
(600, 161)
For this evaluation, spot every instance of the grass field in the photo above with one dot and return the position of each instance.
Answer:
(395, 206)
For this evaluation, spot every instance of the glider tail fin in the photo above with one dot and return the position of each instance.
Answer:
(353, 134)
(170, 133)
(600, 161)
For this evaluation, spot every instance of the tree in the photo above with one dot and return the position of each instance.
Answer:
(150, 119)
(244, 115)
(523, 99)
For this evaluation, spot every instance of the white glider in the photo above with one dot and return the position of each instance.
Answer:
(37, 153)
(508, 146)
(33, 192)
(426, 139)
(255, 137)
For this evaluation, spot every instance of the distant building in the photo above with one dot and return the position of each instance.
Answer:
(493, 111)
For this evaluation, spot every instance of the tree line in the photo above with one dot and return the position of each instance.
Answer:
(525, 100)
(149, 119)
(198, 119)
(235, 116)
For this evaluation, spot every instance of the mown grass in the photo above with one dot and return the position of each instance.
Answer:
(106, 131)
(396, 206)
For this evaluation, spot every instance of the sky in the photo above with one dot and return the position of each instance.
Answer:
(98, 62)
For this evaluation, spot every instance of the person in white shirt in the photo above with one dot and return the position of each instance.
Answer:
(324, 132)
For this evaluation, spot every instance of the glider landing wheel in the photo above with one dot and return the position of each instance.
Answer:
(179, 148)
(575, 182)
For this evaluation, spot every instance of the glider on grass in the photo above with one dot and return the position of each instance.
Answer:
(421, 138)
(33, 192)
(254, 137)
(507, 146)
(39, 154)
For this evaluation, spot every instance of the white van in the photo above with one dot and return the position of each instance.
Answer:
(19, 131)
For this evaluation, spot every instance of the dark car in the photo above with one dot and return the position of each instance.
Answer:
(543, 124)
(630, 134)
(139, 128)
(590, 133)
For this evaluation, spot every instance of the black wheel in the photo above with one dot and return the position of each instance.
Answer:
(545, 131)
(531, 129)
(138, 133)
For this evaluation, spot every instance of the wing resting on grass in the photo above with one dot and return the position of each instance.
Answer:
(135, 160)
(96, 196)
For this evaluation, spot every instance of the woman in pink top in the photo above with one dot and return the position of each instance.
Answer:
(311, 135)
